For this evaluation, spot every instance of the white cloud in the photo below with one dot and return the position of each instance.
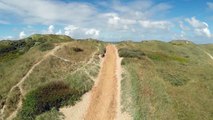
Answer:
(81, 32)
(51, 29)
(180, 36)
(47, 11)
(204, 31)
(139, 9)
(114, 20)
(70, 29)
(155, 24)
(22, 35)
(59, 32)
(200, 28)
(210, 5)
(89, 19)
(92, 32)
(196, 23)
(183, 26)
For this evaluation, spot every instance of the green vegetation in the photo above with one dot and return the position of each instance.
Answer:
(129, 53)
(50, 38)
(44, 98)
(54, 68)
(207, 47)
(158, 56)
(160, 80)
(53, 114)
(12, 49)
(46, 46)
(70, 64)
(11, 71)
(171, 81)
(12, 101)
(17, 57)
(76, 49)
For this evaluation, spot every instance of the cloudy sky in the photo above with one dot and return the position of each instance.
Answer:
(109, 20)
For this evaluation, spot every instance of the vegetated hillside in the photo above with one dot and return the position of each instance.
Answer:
(160, 80)
(167, 81)
(54, 68)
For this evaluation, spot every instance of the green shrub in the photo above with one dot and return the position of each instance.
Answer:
(53, 114)
(76, 49)
(12, 49)
(176, 80)
(44, 98)
(46, 46)
(80, 81)
(129, 53)
(2, 101)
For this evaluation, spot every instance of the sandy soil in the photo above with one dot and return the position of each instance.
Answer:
(103, 102)
(77, 111)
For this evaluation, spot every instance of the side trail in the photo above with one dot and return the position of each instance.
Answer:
(19, 84)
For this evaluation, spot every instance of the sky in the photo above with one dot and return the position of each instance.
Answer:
(109, 20)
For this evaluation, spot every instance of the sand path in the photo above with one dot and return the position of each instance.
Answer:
(104, 95)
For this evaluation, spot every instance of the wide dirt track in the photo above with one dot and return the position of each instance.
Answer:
(104, 98)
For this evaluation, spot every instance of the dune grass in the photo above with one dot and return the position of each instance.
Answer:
(76, 54)
(13, 70)
(12, 102)
(71, 72)
(171, 81)
(17, 57)
(45, 97)
(53, 68)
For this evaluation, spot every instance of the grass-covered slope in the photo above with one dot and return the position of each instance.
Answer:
(56, 64)
(163, 81)
(16, 57)
(167, 81)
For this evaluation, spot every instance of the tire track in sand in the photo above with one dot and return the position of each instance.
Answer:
(104, 97)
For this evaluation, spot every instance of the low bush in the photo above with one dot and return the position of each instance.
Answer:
(76, 49)
(129, 53)
(176, 80)
(12, 49)
(53, 114)
(102, 52)
(44, 98)
(2, 102)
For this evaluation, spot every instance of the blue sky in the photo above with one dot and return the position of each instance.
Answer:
(109, 20)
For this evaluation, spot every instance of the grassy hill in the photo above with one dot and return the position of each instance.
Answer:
(56, 62)
(167, 81)
(161, 80)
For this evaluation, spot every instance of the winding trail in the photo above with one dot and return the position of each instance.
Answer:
(209, 55)
(104, 97)
(19, 84)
